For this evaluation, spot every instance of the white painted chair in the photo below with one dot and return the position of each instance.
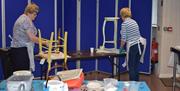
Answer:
(114, 41)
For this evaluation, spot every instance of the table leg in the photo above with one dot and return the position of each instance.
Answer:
(41, 71)
(174, 72)
(118, 69)
(111, 59)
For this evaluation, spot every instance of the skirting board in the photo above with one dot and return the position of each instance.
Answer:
(167, 75)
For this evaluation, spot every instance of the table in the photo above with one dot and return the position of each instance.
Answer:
(84, 54)
(177, 51)
(38, 85)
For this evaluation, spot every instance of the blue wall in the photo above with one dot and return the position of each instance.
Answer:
(88, 30)
(141, 12)
(70, 26)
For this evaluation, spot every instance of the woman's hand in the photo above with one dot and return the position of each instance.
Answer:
(121, 50)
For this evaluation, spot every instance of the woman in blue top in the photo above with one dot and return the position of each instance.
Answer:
(130, 35)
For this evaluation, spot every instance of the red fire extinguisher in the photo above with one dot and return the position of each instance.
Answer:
(154, 51)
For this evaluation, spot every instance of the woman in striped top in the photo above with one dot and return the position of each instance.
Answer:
(130, 35)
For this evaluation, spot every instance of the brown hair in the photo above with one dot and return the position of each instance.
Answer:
(31, 8)
(125, 12)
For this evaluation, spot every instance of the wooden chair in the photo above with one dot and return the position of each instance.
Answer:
(61, 44)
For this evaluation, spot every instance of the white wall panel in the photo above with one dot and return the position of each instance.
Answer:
(170, 18)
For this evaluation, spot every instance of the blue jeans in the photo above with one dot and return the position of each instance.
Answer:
(134, 61)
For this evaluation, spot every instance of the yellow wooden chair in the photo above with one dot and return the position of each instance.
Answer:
(62, 44)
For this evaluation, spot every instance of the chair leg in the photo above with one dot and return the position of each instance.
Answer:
(65, 66)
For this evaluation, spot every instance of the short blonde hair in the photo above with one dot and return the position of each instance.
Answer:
(125, 12)
(31, 8)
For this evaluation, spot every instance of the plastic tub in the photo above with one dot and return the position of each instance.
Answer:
(19, 83)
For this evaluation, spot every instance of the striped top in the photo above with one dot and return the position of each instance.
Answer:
(130, 31)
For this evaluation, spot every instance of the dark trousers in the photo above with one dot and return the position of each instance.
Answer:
(134, 61)
(20, 58)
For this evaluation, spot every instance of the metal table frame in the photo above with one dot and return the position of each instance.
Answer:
(84, 55)
(175, 83)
